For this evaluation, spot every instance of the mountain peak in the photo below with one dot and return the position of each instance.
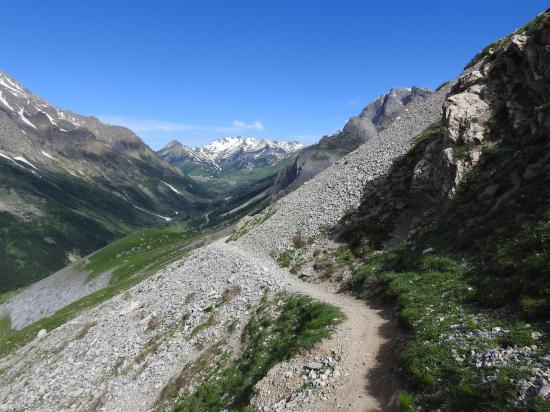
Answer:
(231, 152)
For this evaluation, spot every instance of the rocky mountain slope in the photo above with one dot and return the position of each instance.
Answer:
(374, 118)
(453, 236)
(135, 363)
(442, 217)
(69, 184)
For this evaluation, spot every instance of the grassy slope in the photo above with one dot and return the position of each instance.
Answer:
(132, 259)
(76, 215)
(276, 331)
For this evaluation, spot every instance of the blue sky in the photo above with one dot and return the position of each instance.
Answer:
(199, 70)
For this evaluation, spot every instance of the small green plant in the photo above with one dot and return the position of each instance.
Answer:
(285, 259)
(405, 401)
(205, 325)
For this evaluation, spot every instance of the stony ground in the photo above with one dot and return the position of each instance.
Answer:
(119, 355)
(322, 201)
(48, 295)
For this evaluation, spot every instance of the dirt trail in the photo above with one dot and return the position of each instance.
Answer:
(364, 341)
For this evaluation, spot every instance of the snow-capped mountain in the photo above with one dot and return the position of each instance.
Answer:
(176, 153)
(230, 153)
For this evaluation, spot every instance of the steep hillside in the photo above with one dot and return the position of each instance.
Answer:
(359, 129)
(453, 236)
(69, 184)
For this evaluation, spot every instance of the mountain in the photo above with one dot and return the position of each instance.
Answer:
(187, 158)
(241, 171)
(228, 155)
(374, 118)
(69, 184)
(440, 223)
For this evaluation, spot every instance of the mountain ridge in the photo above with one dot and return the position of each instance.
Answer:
(69, 184)
(229, 153)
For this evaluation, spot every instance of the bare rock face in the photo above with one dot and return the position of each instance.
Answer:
(505, 82)
(466, 111)
(465, 114)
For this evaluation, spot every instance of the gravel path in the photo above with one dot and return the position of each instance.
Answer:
(358, 341)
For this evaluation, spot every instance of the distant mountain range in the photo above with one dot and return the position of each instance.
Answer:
(229, 154)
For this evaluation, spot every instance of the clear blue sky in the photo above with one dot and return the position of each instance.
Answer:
(199, 70)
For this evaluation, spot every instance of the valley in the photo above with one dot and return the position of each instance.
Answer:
(400, 264)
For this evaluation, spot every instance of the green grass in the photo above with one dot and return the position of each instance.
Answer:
(6, 296)
(489, 267)
(329, 264)
(5, 325)
(285, 258)
(276, 331)
(140, 254)
(144, 251)
(435, 299)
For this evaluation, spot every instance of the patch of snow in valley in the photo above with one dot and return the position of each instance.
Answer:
(22, 159)
(172, 187)
(167, 219)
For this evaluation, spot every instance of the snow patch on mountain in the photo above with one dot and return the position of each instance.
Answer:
(22, 159)
(21, 114)
(5, 102)
(49, 156)
(240, 152)
(172, 188)
(227, 147)
(166, 219)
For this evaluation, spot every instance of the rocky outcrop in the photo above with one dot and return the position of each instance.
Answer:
(502, 86)
(466, 111)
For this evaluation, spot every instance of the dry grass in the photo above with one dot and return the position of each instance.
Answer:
(231, 293)
(152, 323)
(86, 328)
